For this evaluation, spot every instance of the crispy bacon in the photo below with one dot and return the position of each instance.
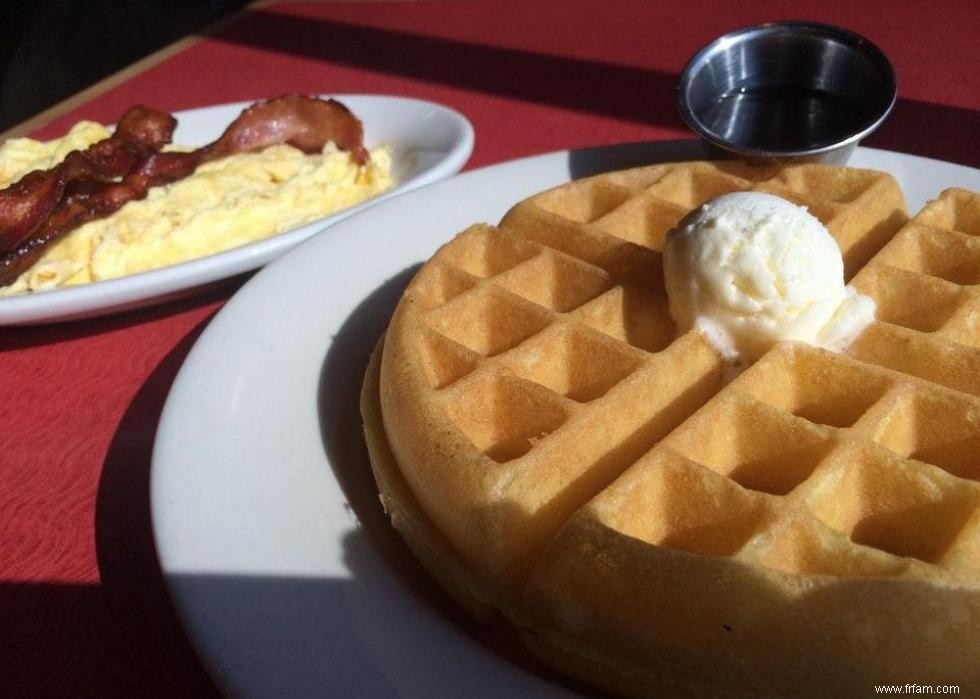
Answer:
(302, 122)
(83, 191)
(28, 202)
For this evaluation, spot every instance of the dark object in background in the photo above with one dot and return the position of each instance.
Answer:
(51, 49)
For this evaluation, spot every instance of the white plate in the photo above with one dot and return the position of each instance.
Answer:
(428, 142)
(282, 567)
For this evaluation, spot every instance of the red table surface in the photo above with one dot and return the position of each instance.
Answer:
(83, 611)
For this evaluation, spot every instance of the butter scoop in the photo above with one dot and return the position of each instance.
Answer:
(749, 269)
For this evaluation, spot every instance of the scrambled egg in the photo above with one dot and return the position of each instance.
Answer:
(225, 203)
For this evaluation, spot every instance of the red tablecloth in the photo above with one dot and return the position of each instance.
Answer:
(83, 611)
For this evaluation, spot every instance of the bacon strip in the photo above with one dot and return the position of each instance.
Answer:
(303, 122)
(306, 123)
(25, 204)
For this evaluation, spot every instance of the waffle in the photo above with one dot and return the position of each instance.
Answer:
(552, 450)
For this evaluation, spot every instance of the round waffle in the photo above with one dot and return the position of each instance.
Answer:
(552, 449)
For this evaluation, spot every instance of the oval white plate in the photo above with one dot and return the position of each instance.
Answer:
(428, 142)
(281, 564)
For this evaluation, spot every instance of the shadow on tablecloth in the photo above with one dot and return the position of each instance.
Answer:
(21, 337)
(639, 95)
(120, 637)
(151, 642)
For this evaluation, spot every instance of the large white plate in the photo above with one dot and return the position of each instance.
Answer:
(267, 524)
(428, 142)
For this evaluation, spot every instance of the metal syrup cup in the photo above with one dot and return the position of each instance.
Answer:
(798, 91)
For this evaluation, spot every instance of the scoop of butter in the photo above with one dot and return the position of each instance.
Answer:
(749, 269)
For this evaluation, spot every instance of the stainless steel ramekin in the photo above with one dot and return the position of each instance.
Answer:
(787, 90)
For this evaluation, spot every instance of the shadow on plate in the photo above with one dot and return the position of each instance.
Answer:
(376, 544)
(373, 631)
